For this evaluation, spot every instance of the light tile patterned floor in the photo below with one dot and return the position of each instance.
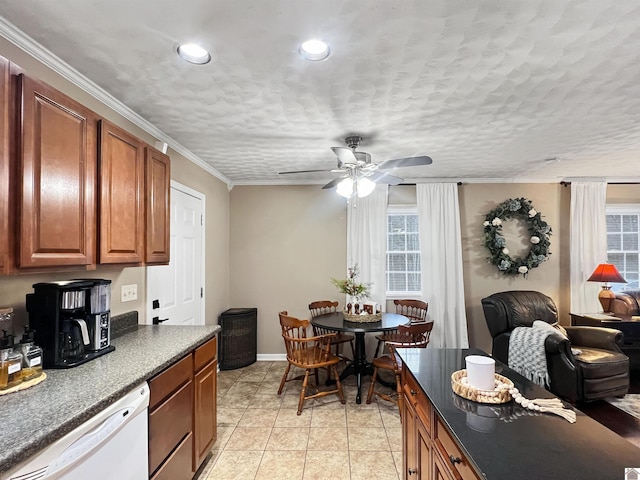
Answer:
(261, 437)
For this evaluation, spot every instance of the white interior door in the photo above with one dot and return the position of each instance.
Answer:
(175, 292)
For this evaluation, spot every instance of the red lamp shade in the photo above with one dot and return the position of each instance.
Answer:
(608, 273)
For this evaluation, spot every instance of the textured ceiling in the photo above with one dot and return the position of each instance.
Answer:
(488, 89)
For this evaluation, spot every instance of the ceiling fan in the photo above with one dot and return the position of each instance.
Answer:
(359, 174)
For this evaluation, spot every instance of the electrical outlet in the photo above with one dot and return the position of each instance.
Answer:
(129, 293)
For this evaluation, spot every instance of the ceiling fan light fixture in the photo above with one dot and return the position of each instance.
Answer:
(345, 188)
(314, 50)
(194, 53)
(365, 187)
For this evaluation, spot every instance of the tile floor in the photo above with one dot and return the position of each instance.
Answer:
(261, 437)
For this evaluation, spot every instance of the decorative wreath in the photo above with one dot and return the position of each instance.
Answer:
(539, 233)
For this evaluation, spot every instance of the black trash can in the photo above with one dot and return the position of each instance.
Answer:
(238, 338)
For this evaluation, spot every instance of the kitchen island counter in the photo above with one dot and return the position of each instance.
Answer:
(36, 417)
(507, 441)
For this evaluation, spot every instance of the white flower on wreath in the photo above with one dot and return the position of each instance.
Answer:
(535, 240)
(523, 269)
(486, 223)
(496, 222)
(505, 250)
(532, 212)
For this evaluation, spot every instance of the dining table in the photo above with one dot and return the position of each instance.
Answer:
(360, 366)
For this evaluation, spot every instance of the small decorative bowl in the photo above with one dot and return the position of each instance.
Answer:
(499, 395)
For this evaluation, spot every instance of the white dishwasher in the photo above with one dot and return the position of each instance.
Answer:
(111, 445)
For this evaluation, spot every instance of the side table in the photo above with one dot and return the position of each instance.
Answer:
(630, 328)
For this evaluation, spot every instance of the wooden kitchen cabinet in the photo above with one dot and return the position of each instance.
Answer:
(204, 410)
(56, 179)
(429, 450)
(157, 184)
(121, 200)
(4, 166)
(182, 414)
(170, 420)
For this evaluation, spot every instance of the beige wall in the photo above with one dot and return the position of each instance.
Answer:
(14, 288)
(286, 244)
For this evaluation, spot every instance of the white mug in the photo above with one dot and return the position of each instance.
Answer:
(481, 372)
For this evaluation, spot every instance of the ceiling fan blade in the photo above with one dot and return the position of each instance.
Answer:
(381, 177)
(406, 162)
(333, 183)
(345, 155)
(303, 171)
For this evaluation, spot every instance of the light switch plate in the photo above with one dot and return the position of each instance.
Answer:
(129, 293)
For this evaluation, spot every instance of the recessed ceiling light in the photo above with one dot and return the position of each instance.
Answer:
(194, 53)
(314, 50)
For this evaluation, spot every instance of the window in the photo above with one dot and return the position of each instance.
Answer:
(623, 234)
(403, 252)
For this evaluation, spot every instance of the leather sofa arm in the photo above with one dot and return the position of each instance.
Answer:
(595, 337)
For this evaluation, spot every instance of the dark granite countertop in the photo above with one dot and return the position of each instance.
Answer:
(505, 441)
(34, 418)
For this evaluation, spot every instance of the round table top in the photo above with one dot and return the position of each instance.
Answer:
(336, 321)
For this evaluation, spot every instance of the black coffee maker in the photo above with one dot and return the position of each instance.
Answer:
(64, 319)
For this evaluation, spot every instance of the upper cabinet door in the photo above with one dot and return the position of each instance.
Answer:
(158, 178)
(56, 194)
(4, 165)
(121, 179)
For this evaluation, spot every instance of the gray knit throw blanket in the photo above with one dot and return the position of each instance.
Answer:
(527, 354)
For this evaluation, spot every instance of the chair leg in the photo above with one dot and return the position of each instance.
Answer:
(284, 378)
(373, 382)
(375, 355)
(315, 374)
(339, 385)
(304, 389)
(399, 393)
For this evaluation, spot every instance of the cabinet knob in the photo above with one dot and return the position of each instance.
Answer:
(454, 460)
(413, 392)
(412, 471)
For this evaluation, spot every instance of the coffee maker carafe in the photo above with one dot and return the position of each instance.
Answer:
(71, 321)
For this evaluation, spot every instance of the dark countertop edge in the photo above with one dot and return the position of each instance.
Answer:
(32, 446)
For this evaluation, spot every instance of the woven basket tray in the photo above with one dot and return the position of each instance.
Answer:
(481, 396)
(350, 317)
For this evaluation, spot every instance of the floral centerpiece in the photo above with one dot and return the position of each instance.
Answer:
(350, 285)
(356, 292)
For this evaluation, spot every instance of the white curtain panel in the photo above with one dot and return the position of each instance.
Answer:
(588, 242)
(441, 258)
(367, 240)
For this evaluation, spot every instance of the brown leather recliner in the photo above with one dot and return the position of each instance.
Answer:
(601, 369)
(626, 303)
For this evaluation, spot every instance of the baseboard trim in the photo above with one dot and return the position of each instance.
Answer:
(271, 357)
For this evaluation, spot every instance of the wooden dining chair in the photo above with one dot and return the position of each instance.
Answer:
(415, 335)
(414, 310)
(327, 306)
(310, 354)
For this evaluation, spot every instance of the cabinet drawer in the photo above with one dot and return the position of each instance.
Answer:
(451, 453)
(169, 424)
(178, 465)
(205, 354)
(419, 400)
(164, 384)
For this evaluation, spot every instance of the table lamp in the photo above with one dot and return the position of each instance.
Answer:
(606, 272)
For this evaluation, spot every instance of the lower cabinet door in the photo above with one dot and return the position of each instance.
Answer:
(409, 441)
(178, 465)
(424, 460)
(204, 415)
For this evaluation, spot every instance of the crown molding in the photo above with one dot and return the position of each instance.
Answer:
(23, 41)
